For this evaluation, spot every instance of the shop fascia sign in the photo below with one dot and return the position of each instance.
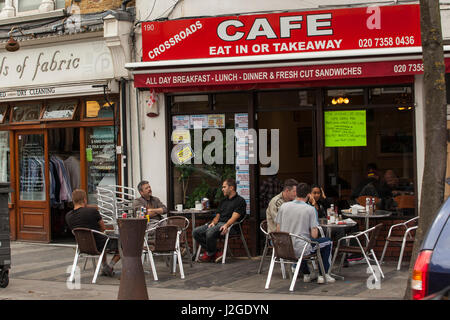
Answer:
(66, 63)
(54, 91)
(374, 28)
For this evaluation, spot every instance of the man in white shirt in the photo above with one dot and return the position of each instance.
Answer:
(298, 217)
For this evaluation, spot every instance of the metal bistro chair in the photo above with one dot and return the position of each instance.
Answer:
(267, 245)
(182, 223)
(227, 236)
(87, 248)
(283, 252)
(119, 197)
(365, 250)
(167, 243)
(407, 237)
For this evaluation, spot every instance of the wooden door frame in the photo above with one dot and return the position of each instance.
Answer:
(18, 202)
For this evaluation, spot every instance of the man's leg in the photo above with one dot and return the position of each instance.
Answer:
(325, 245)
(199, 235)
(212, 234)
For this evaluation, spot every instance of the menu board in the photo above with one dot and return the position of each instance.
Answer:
(181, 122)
(199, 121)
(345, 128)
(216, 121)
(100, 156)
(242, 157)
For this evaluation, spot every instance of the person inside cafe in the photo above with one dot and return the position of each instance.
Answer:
(371, 185)
(231, 209)
(289, 193)
(154, 207)
(85, 217)
(298, 217)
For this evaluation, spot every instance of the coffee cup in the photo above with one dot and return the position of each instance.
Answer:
(179, 207)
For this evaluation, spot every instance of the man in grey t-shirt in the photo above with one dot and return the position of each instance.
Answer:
(298, 217)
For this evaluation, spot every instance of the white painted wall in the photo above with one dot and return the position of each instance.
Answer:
(152, 148)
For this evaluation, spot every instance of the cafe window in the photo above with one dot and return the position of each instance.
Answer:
(190, 104)
(100, 159)
(285, 99)
(99, 109)
(344, 97)
(191, 182)
(28, 5)
(3, 113)
(61, 110)
(24, 113)
(359, 140)
(400, 96)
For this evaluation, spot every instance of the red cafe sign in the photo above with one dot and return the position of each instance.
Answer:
(377, 27)
(279, 74)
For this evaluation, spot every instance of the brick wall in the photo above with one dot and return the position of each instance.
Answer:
(250, 226)
(91, 6)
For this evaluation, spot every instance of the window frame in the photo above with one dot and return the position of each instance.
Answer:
(2, 121)
(47, 104)
(11, 122)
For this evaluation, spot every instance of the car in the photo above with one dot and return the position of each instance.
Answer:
(431, 273)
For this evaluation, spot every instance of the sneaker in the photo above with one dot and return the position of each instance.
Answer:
(206, 258)
(309, 277)
(218, 256)
(330, 279)
(107, 271)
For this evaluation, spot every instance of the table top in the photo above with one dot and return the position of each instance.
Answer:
(333, 225)
(184, 211)
(376, 214)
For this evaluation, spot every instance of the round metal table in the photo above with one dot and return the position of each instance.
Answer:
(376, 214)
(336, 226)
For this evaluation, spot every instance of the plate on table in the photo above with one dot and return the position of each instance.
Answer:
(346, 210)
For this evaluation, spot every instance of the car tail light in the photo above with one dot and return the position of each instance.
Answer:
(419, 281)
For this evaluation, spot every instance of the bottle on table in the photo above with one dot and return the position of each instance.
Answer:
(367, 205)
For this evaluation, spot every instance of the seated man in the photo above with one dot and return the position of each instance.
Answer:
(230, 210)
(84, 217)
(155, 208)
(289, 193)
(298, 217)
(370, 186)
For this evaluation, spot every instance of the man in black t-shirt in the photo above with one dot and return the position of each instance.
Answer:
(231, 209)
(84, 217)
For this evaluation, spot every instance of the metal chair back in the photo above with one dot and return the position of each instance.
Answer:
(165, 238)
(263, 227)
(282, 244)
(86, 241)
(373, 237)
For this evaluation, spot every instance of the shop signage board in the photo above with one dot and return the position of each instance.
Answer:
(280, 74)
(345, 128)
(328, 30)
(62, 63)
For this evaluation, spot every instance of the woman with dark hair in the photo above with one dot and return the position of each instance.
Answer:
(319, 201)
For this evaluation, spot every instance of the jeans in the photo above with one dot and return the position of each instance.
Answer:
(207, 237)
(325, 245)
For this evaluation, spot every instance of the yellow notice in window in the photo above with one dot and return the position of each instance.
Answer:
(345, 128)
(184, 154)
(92, 109)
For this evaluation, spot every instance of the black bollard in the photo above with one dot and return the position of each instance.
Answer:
(132, 279)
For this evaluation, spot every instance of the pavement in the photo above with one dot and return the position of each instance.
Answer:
(40, 271)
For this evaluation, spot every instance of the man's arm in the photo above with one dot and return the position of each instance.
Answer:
(314, 233)
(278, 227)
(101, 223)
(159, 210)
(214, 221)
(230, 221)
